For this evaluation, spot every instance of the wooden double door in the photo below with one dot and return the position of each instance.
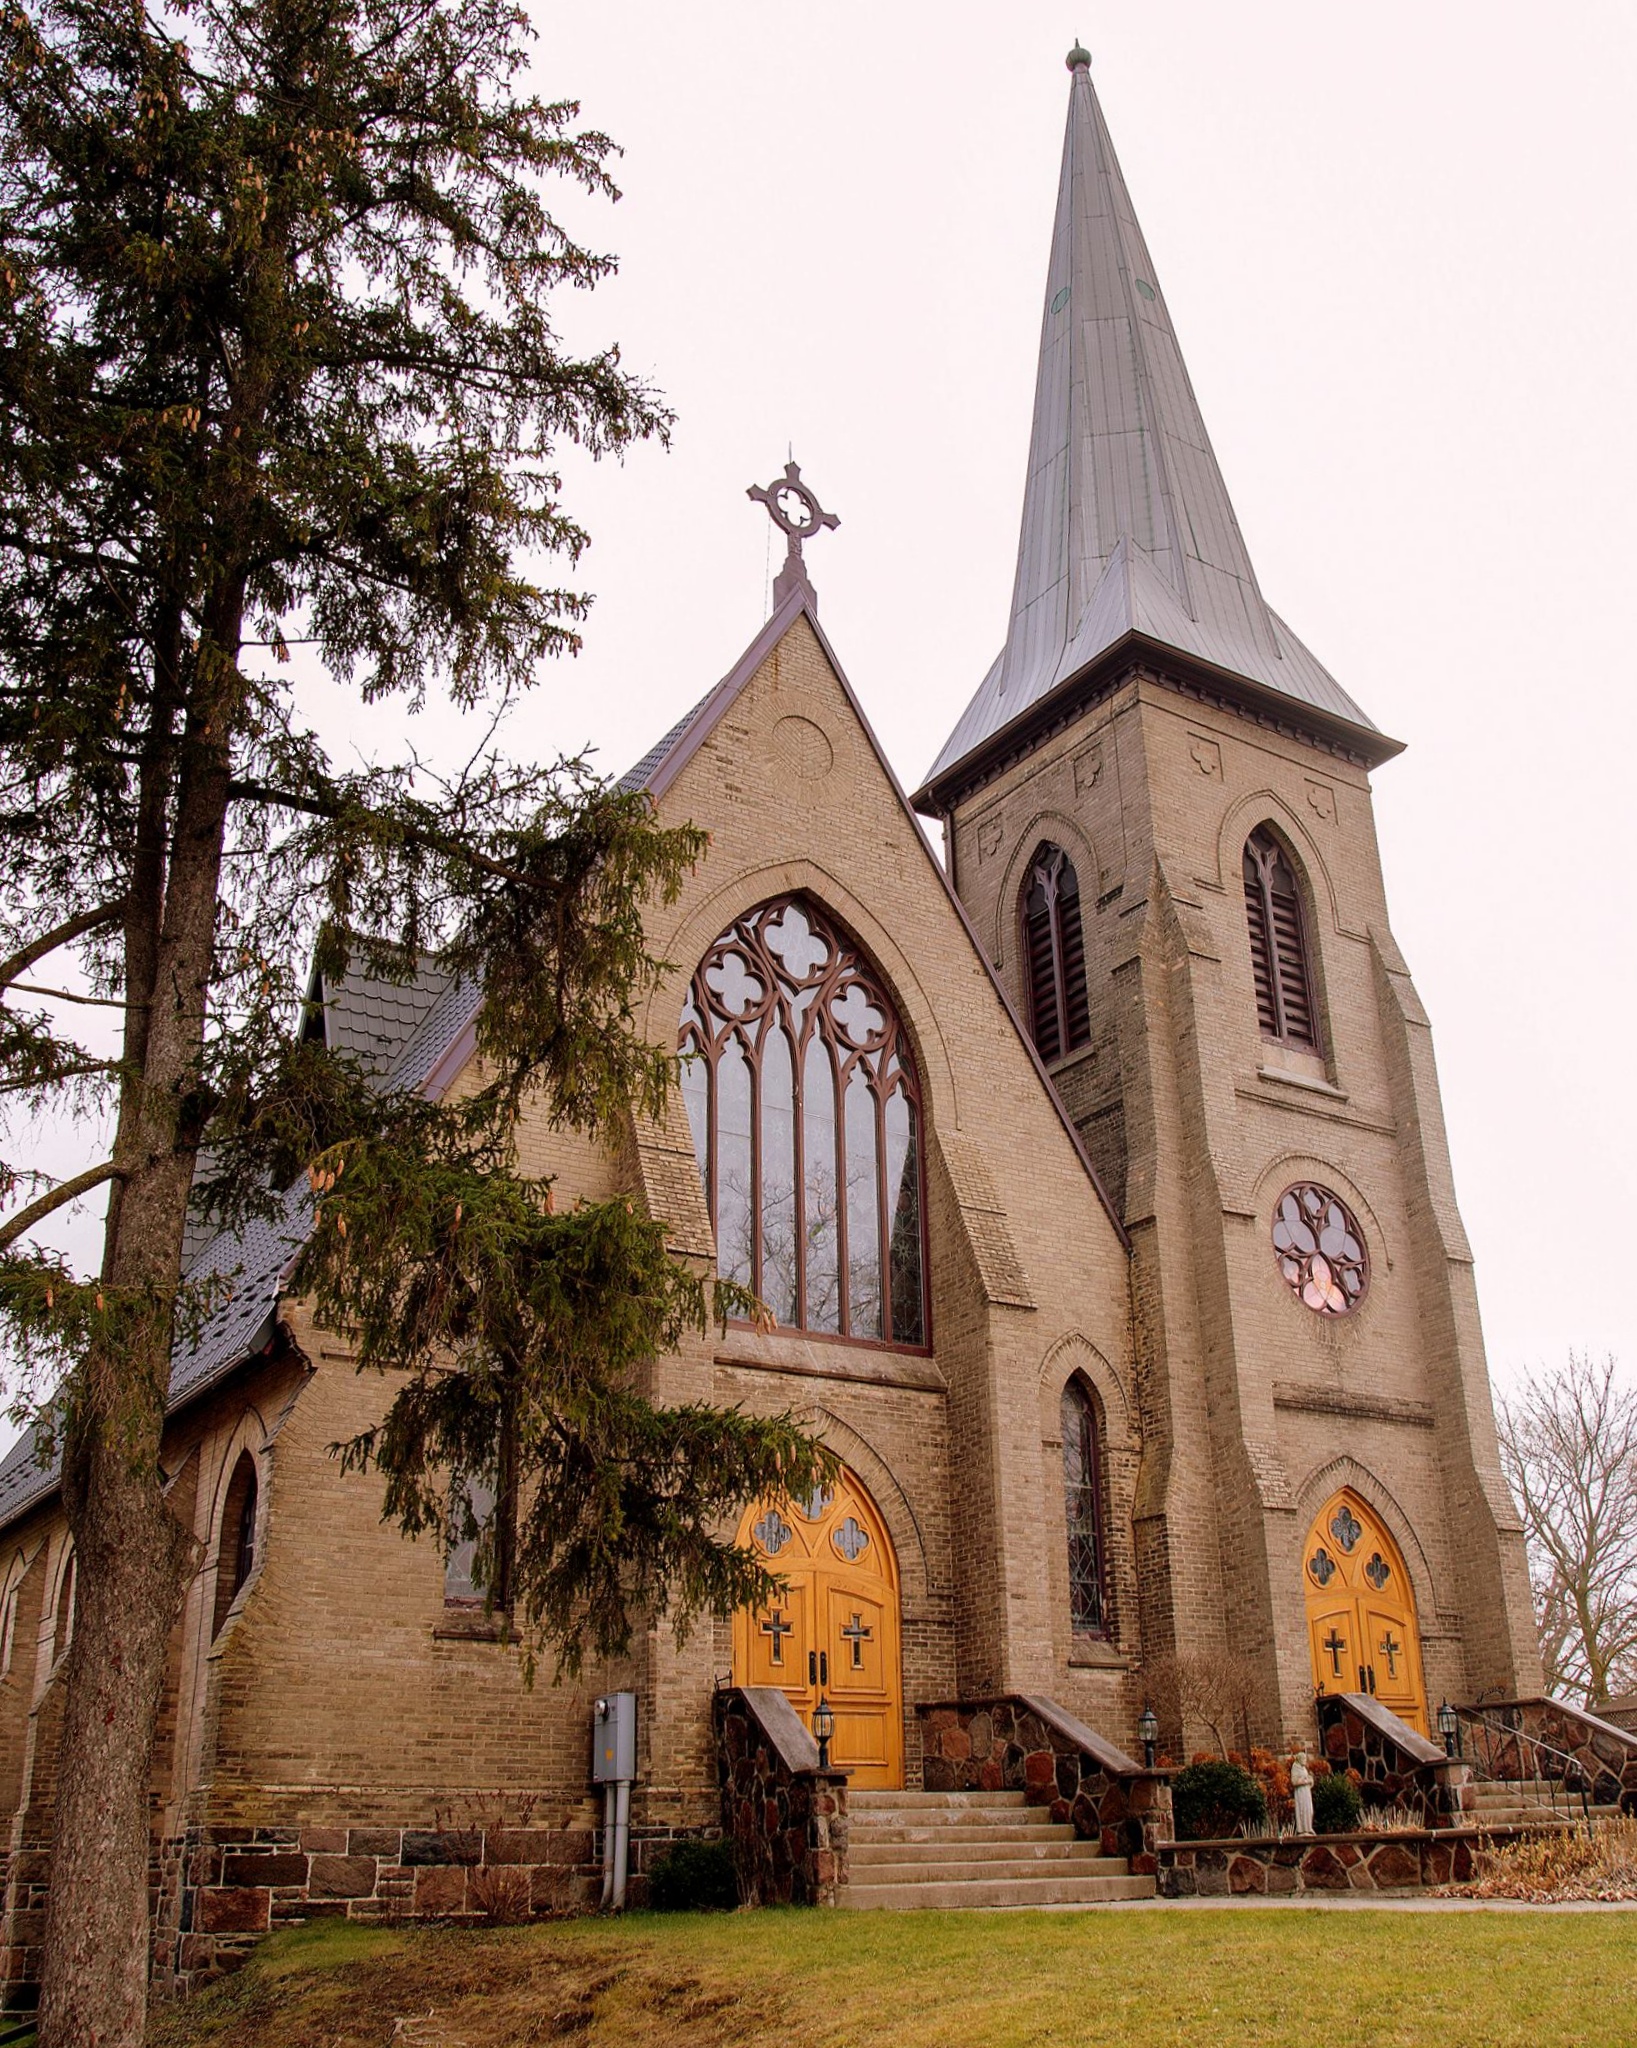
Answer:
(1361, 1626)
(834, 1629)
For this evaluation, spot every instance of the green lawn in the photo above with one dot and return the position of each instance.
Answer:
(1255, 1979)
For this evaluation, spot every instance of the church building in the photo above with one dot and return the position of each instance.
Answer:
(1094, 1174)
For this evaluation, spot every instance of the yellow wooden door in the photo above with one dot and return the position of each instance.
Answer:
(834, 1627)
(1361, 1624)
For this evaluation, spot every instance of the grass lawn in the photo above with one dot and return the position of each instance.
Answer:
(1255, 1979)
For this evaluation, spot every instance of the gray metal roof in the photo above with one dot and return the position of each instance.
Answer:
(374, 1020)
(1127, 524)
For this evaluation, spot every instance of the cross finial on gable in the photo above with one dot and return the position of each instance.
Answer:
(798, 515)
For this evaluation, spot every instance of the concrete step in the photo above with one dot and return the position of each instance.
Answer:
(935, 1802)
(955, 1830)
(875, 1856)
(1034, 1890)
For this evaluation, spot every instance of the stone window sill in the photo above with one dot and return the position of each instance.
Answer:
(1310, 1082)
(1098, 1657)
(468, 1625)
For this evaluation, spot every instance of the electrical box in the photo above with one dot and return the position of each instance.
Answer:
(614, 1739)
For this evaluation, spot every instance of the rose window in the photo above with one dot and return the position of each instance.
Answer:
(1320, 1249)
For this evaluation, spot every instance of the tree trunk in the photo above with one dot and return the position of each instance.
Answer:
(133, 1558)
(132, 1564)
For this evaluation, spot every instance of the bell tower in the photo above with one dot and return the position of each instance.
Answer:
(1157, 812)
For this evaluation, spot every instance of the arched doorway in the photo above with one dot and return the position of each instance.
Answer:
(835, 1627)
(1361, 1609)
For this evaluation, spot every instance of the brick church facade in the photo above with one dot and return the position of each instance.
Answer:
(1096, 1175)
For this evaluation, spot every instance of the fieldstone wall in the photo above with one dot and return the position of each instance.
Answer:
(1607, 1754)
(1407, 1861)
(1022, 1743)
(1398, 1767)
(220, 1894)
(786, 1819)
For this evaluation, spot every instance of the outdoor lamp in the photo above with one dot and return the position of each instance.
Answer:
(824, 1726)
(1148, 1727)
(1449, 1727)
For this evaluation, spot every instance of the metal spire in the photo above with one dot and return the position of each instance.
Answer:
(1127, 524)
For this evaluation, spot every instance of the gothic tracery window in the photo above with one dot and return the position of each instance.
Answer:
(1278, 943)
(806, 1114)
(1083, 1510)
(1055, 945)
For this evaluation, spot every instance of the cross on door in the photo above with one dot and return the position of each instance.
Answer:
(777, 1628)
(1391, 1649)
(858, 1635)
(1334, 1643)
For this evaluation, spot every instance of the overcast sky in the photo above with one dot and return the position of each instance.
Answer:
(1397, 247)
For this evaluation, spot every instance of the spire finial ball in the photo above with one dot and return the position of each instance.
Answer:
(1079, 58)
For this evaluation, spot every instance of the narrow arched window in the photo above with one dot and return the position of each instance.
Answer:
(236, 1550)
(68, 1601)
(8, 1612)
(1083, 1510)
(1055, 945)
(806, 1114)
(1278, 943)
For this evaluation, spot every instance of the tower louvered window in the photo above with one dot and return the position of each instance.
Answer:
(1278, 943)
(1059, 1014)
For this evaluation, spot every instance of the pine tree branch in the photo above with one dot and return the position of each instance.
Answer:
(55, 1198)
(68, 995)
(413, 835)
(60, 935)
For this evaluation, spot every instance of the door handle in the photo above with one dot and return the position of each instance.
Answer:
(812, 1667)
(1372, 1680)
(1363, 1681)
(824, 1667)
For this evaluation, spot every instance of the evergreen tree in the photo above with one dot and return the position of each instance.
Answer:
(277, 366)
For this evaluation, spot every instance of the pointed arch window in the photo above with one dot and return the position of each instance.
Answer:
(1055, 947)
(236, 1545)
(1083, 1510)
(806, 1114)
(1279, 959)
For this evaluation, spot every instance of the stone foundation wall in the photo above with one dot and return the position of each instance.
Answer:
(1410, 1861)
(218, 1896)
(786, 1819)
(1021, 1743)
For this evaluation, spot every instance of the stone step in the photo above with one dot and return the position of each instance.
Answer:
(872, 1856)
(894, 1876)
(935, 1802)
(957, 1894)
(957, 1828)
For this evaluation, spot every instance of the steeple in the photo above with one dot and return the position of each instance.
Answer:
(1127, 524)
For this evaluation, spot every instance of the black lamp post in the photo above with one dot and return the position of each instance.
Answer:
(824, 1726)
(1449, 1727)
(1148, 1727)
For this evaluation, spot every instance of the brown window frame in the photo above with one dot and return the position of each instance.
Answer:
(1282, 979)
(1054, 957)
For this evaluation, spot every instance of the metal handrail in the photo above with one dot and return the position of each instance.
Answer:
(1494, 1735)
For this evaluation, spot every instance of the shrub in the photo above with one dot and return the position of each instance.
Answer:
(1337, 1804)
(1561, 1866)
(1213, 1798)
(694, 1877)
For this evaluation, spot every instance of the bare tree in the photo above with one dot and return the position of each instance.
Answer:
(1215, 1689)
(1569, 1450)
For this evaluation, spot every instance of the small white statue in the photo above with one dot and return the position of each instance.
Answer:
(1301, 1791)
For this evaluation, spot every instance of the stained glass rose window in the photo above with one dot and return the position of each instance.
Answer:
(1320, 1249)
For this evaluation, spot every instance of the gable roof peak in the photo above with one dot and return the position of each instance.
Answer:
(1120, 464)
